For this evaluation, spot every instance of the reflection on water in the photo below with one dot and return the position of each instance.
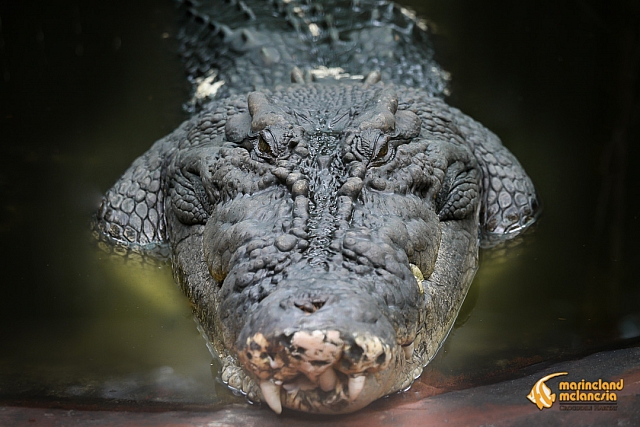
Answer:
(87, 86)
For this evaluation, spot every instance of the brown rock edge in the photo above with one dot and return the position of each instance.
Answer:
(499, 404)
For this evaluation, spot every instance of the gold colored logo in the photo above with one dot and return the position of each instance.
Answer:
(541, 395)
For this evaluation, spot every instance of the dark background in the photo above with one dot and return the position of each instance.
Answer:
(86, 86)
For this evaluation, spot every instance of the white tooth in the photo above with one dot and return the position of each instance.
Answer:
(273, 363)
(291, 387)
(271, 394)
(328, 379)
(356, 384)
(408, 351)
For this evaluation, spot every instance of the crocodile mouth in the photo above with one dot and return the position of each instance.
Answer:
(323, 349)
(323, 370)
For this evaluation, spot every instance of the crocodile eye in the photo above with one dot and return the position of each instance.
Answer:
(382, 152)
(264, 146)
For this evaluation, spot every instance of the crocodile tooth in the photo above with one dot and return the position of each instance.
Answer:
(271, 394)
(275, 364)
(408, 350)
(328, 379)
(291, 387)
(417, 273)
(356, 384)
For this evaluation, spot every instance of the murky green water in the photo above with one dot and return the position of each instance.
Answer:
(86, 86)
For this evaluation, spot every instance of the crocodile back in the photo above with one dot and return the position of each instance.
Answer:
(234, 46)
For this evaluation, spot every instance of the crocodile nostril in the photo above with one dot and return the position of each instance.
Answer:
(309, 306)
(355, 352)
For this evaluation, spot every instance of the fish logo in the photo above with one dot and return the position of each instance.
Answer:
(541, 395)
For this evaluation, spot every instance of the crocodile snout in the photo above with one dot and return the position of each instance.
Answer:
(319, 344)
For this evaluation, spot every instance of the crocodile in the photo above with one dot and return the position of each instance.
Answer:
(323, 208)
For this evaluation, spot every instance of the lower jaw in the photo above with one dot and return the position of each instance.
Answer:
(301, 394)
(344, 397)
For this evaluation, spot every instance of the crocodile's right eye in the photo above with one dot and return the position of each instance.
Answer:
(264, 146)
(274, 142)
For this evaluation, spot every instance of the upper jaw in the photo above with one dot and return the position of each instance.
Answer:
(329, 355)
(322, 376)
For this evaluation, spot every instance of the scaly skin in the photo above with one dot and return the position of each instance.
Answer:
(325, 232)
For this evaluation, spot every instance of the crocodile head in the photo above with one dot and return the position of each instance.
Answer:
(326, 234)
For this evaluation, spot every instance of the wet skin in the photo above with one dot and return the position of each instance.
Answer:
(325, 232)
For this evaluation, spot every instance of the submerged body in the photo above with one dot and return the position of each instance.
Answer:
(325, 231)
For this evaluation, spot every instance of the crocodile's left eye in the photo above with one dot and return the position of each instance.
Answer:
(381, 151)
(371, 146)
